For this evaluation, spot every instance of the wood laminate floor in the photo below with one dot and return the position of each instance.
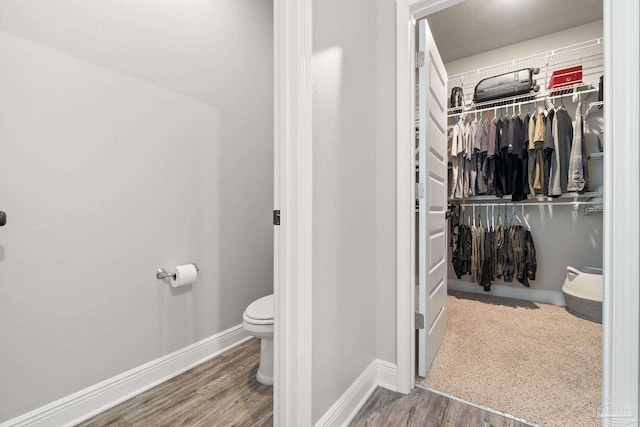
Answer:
(422, 408)
(224, 392)
(220, 392)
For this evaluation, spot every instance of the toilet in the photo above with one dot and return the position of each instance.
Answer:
(257, 320)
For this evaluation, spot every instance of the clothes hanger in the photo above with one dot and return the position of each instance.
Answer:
(514, 214)
(493, 217)
(474, 216)
(525, 219)
(488, 219)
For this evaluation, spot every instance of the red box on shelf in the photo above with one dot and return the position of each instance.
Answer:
(566, 77)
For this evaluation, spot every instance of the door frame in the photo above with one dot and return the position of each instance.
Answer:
(621, 335)
(408, 12)
(293, 197)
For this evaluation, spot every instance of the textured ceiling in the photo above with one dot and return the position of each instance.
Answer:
(476, 26)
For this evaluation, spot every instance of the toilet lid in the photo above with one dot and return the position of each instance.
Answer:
(261, 309)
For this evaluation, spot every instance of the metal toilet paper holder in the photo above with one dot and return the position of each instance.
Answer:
(161, 273)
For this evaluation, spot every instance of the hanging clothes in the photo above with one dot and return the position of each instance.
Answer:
(487, 254)
(532, 164)
(461, 258)
(578, 172)
(517, 242)
(540, 132)
(562, 139)
(501, 177)
(476, 252)
(499, 248)
(487, 260)
(491, 153)
(525, 154)
(548, 148)
(518, 162)
(529, 259)
(457, 158)
(508, 267)
(482, 157)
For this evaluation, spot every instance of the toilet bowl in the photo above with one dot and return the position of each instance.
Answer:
(257, 320)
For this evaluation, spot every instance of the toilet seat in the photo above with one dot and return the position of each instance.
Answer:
(260, 312)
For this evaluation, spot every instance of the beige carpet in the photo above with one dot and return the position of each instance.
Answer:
(529, 360)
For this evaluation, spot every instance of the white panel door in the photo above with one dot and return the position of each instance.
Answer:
(432, 161)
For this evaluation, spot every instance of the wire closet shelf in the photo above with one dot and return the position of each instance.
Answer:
(588, 54)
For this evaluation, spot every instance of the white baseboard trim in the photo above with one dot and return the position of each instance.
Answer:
(92, 400)
(387, 375)
(527, 294)
(378, 373)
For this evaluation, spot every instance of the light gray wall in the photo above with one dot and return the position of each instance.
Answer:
(386, 181)
(344, 197)
(134, 135)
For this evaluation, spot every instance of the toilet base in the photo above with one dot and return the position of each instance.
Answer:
(265, 369)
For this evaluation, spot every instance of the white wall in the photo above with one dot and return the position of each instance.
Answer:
(386, 181)
(135, 135)
(344, 197)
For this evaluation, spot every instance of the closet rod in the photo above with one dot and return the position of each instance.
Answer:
(516, 104)
(576, 203)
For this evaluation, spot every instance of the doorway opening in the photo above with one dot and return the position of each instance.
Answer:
(570, 215)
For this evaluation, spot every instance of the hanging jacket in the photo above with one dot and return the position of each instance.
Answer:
(487, 261)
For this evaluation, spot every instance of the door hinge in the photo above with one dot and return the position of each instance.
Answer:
(419, 59)
(419, 320)
(276, 217)
(420, 190)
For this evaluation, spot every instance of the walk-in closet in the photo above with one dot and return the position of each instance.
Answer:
(514, 322)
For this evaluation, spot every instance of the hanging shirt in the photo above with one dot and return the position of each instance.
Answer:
(531, 165)
(540, 129)
(562, 139)
(548, 150)
(491, 148)
(457, 148)
(577, 163)
(518, 162)
(500, 162)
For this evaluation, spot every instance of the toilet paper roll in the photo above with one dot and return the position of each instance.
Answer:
(183, 275)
